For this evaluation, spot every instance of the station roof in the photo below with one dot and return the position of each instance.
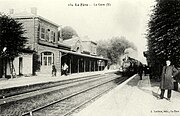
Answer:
(71, 41)
(24, 15)
(83, 55)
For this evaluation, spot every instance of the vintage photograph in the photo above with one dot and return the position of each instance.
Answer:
(89, 57)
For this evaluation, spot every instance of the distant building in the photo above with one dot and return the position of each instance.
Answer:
(89, 46)
(75, 43)
(84, 52)
(82, 45)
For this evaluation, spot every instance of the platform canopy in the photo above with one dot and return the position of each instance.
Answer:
(83, 55)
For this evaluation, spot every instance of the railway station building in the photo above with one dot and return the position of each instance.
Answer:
(48, 48)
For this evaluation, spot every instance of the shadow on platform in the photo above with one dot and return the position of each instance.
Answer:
(149, 86)
(155, 84)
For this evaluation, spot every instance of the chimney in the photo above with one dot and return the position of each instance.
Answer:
(11, 11)
(34, 10)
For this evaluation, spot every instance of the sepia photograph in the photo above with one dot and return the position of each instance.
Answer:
(89, 57)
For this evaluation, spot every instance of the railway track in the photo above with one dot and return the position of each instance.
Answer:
(9, 92)
(68, 104)
(61, 86)
(30, 102)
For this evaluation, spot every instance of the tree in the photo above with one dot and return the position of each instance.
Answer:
(68, 32)
(114, 48)
(11, 38)
(164, 33)
(102, 48)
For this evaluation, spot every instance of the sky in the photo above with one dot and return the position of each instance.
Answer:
(100, 20)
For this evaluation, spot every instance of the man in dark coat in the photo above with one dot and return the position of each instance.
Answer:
(53, 70)
(140, 71)
(167, 81)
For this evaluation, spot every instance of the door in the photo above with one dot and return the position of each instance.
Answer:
(47, 61)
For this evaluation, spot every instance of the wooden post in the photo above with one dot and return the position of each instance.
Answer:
(89, 65)
(70, 66)
(98, 66)
(78, 65)
(84, 65)
(72, 61)
(94, 66)
(4, 67)
(60, 68)
(11, 68)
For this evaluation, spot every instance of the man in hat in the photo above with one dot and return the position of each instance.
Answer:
(167, 80)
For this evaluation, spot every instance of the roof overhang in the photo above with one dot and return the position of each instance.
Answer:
(83, 55)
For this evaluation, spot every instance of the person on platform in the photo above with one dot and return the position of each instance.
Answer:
(64, 69)
(167, 80)
(140, 71)
(146, 69)
(53, 70)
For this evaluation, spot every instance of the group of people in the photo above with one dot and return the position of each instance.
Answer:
(64, 70)
(144, 69)
(166, 83)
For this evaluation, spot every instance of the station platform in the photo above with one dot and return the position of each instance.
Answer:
(44, 78)
(134, 97)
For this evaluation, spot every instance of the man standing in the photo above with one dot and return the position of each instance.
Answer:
(64, 69)
(167, 81)
(140, 70)
(53, 70)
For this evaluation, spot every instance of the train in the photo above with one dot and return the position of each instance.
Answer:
(130, 66)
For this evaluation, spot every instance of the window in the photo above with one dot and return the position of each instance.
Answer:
(39, 31)
(47, 34)
(47, 53)
(49, 61)
(54, 38)
(47, 58)
(52, 35)
(45, 61)
(93, 49)
(42, 33)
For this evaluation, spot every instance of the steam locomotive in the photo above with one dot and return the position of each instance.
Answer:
(130, 66)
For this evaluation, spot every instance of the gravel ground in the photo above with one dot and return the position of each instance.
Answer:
(63, 107)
